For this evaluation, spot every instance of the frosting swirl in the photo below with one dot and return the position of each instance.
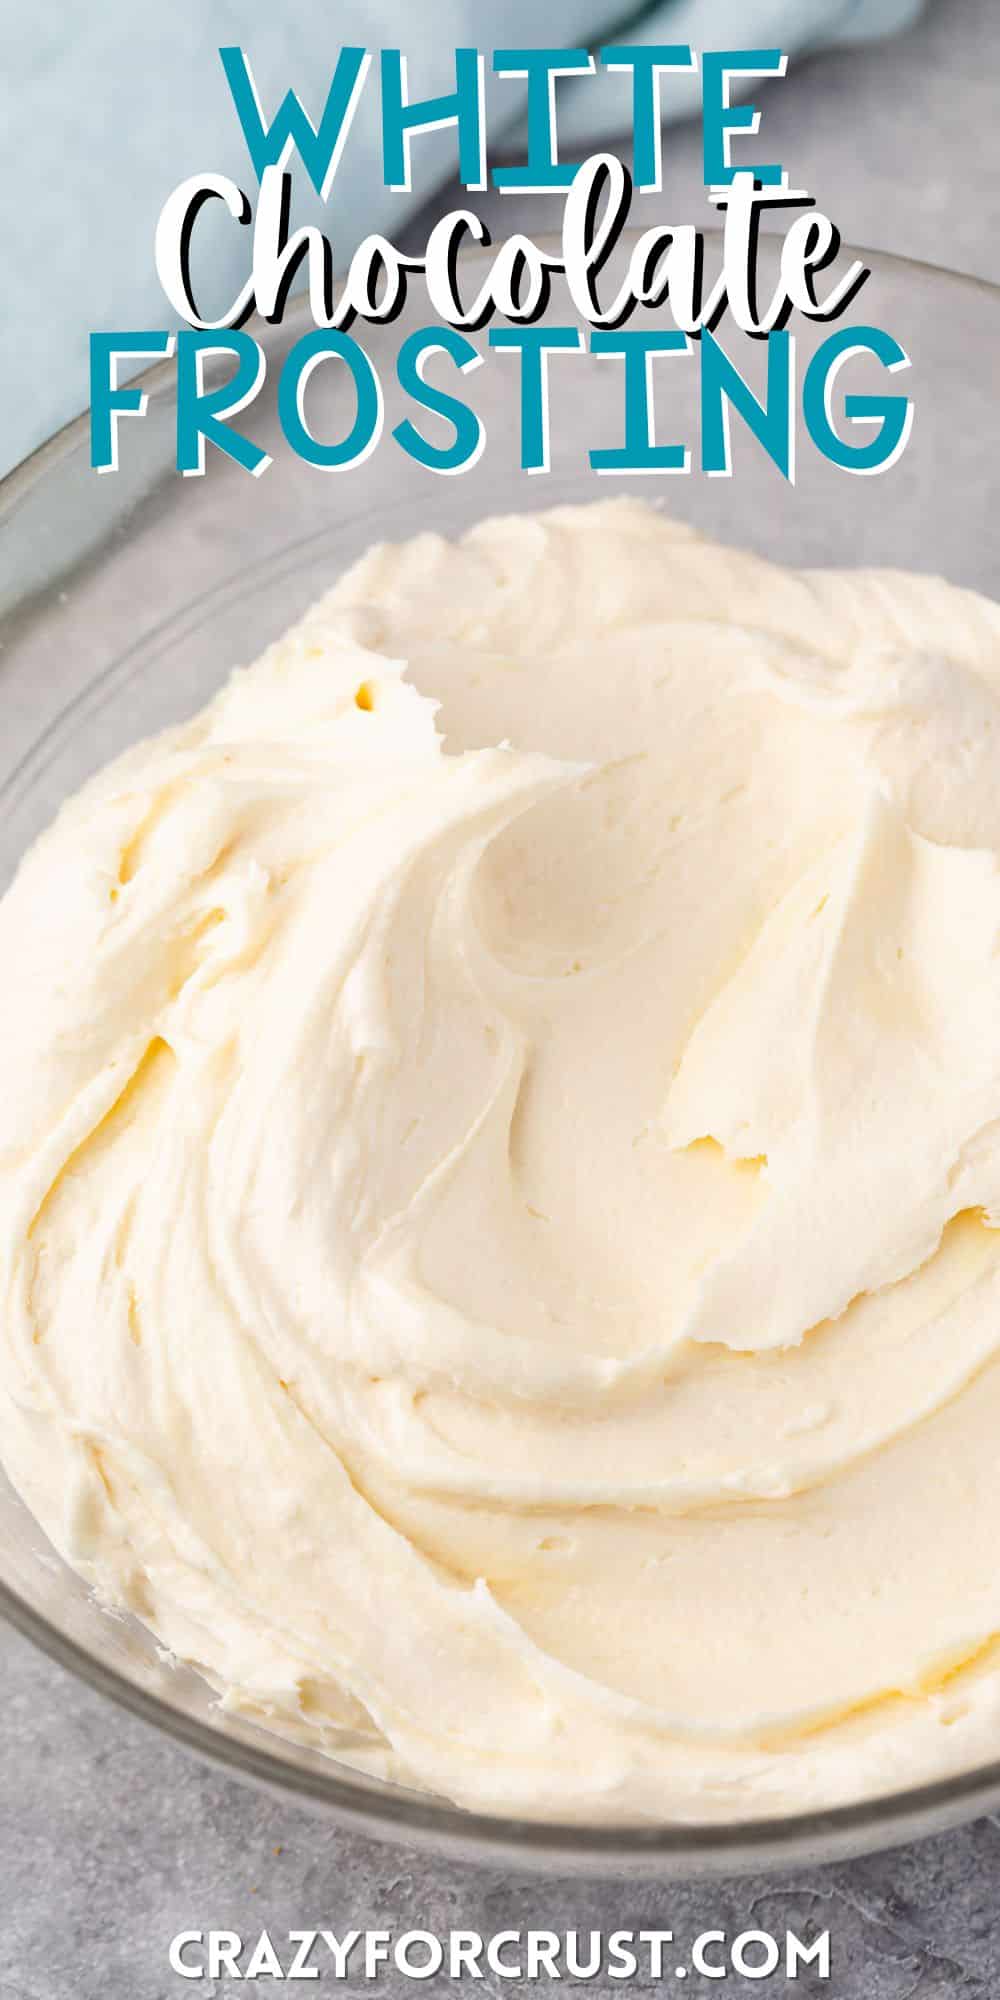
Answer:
(499, 1244)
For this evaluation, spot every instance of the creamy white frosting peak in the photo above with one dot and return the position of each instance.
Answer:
(498, 1244)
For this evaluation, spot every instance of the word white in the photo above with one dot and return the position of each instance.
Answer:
(512, 1954)
(320, 146)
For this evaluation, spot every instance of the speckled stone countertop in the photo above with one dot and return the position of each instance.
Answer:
(111, 1838)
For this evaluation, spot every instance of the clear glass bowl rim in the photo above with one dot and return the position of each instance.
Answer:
(390, 1814)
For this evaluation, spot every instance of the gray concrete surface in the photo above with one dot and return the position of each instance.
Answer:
(111, 1839)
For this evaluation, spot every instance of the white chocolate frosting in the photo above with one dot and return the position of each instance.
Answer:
(499, 1244)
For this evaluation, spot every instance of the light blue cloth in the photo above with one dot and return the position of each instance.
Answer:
(104, 109)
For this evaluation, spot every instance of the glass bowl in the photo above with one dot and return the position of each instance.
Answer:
(125, 600)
